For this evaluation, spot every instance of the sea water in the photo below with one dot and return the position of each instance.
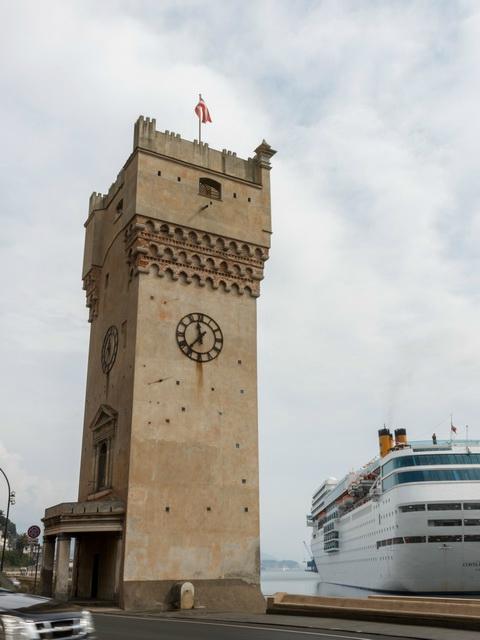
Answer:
(305, 583)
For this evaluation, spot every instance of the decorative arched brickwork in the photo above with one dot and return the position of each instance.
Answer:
(198, 258)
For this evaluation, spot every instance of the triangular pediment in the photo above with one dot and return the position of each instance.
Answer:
(105, 415)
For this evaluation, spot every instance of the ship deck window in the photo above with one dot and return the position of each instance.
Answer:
(470, 538)
(406, 508)
(429, 459)
(445, 523)
(472, 506)
(413, 539)
(430, 475)
(444, 506)
(445, 538)
(389, 541)
(473, 522)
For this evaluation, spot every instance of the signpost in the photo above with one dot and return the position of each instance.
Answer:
(33, 532)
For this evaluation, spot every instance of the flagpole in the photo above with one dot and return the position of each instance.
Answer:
(199, 122)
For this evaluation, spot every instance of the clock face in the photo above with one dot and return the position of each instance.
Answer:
(109, 348)
(199, 337)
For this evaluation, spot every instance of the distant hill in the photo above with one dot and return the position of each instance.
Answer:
(280, 565)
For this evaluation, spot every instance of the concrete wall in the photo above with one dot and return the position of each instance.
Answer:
(166, 198)
(185, 432)
(115, 305)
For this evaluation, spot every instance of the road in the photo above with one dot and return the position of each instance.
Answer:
(118, 627)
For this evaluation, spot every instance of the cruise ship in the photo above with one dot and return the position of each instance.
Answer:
(408, 521)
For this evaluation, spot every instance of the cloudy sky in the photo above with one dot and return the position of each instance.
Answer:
(370, 310)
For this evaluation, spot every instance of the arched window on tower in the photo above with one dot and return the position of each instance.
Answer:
(210, 188)
(102, 466)
(103, 428)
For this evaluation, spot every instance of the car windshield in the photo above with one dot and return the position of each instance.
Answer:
(5, 583)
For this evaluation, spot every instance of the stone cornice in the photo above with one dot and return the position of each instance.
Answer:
(195, 256)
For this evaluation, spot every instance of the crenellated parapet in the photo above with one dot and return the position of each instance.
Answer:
(179, 252)
(172, 145)
(102, 200)
(97, 201)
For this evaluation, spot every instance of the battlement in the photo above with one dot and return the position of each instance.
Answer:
(102, 200)
(171, 144)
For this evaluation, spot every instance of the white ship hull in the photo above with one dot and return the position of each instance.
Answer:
(377, 548)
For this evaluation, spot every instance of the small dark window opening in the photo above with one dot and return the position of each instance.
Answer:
(234, 195)
(167, 509)
(102, 466)
(246, 509)
(120, 207)
(106, 280)
(210, 188)
(159, 173)
(249, 199)
(444, 506)
(179, 179)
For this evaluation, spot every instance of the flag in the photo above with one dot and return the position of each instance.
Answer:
(453, 429)
(202, 110)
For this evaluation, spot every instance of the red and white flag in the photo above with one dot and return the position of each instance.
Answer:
(202, 111)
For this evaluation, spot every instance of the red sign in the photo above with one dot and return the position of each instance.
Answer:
(33, 532)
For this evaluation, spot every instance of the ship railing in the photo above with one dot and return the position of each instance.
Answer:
(331, 526)
(331, 545)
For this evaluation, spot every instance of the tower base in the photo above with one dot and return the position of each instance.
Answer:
(214, 595)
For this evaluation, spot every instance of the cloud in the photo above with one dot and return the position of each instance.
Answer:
(31, 490)
(370, 307)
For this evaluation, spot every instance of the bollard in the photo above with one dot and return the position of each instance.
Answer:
(183, 595)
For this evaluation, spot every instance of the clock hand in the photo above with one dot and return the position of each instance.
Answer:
(199, 338)
(199, 332)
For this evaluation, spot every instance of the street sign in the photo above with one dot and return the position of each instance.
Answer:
(33, 532)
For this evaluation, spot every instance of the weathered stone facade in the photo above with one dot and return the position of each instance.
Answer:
(170, 432)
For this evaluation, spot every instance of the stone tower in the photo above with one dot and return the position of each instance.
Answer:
(174, 256)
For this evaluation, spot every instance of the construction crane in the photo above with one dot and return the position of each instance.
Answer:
(311, 566)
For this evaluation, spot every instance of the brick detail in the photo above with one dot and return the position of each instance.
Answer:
(180, 252)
